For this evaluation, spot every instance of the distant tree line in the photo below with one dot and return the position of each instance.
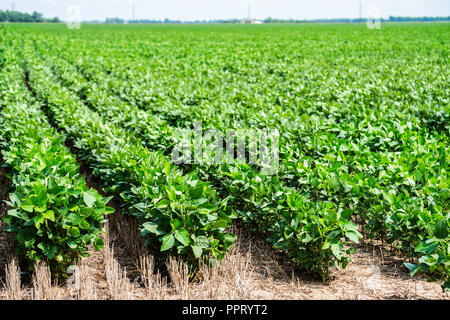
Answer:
(114, 21)
(344, 20)
(15, 16)
(417, 19)
(272, 20)
(141, 21)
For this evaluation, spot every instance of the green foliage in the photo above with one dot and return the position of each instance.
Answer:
(235, 179)
(363, 117)
(54, 215)
(155, 191)
(434, 255)
(15, 16)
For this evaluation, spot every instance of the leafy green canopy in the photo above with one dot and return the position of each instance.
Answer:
(363, 116)
(54, 215)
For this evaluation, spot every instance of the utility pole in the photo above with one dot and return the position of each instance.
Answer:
(134, 10)
(13, 7)
(249, 15)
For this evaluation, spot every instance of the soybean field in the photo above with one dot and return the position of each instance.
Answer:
(337, 165)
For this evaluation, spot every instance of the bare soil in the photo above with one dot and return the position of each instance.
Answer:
(253, 270)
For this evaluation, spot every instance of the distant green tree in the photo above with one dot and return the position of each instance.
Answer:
(37, 17)
(114, 21)
(15, 16)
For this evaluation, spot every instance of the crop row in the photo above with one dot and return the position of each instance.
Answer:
(359, 156)
(314, 241)
(54, 215)
(187, 79)
(351, 168)
(364, 127)
(180, 212)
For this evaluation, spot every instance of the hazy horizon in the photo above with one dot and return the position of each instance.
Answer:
(191, 10)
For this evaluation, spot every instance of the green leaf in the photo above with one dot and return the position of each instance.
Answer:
(441, 230)
(410, 266)
(89, 198)
(446, 285)
(27, 207)
(72, 244)
(168, 242)
(85, 225)
(346, 214)
(350, 226)
(202, 242)
(163, 204)
(11, 229)
(49, 214)
(220, 224)
(429, 260)
(353, 236)
(336, 250)
(74, 232)
(152, 228)
(108, 210)
(175, 224)
(17, 214)
(41, 246)
(427, 247)
(38, 220)
(196, 193)
(98, 244)
(197, 251)
(51, 252)
(86, 212)
(14, 199)
(183, 237)
(229, 239)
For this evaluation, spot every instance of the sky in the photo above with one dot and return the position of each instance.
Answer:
(188, 10)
